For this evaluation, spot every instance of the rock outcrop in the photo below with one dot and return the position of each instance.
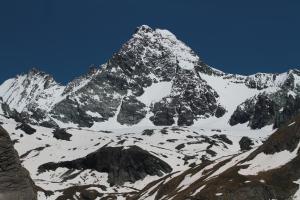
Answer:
(274, 108)
(122, 164)
(15, 182)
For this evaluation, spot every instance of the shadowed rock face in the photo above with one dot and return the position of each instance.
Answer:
(268, 108)
(122, 165)
(15, 182)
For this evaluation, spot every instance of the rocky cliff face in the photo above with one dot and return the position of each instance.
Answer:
(15, 182)
(271, 107)
(154, 77)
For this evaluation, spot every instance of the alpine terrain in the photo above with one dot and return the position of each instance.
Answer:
(155, 122)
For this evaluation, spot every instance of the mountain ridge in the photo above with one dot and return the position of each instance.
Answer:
(150, 59)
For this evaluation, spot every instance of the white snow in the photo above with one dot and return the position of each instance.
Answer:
(93, 114)
(291, 124)
(155, 92)
(265, 162)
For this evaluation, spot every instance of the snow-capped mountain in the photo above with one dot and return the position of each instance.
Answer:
(154, 122)
(153, 79)
(31, 91)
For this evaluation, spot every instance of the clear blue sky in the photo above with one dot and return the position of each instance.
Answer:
(63, 37)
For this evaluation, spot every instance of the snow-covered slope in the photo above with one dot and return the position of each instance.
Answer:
(180, 147)
(270, 171)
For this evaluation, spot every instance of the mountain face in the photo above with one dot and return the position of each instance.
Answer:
(157, 79)
(270, 107)
(151, 59)
(153, 122)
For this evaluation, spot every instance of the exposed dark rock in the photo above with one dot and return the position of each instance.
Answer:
(264, 112)
(191, 97)
(179, 147)
(163, 113)
(186, 117)
(121, 164)
(223, 138)
(211, 152)
(49, 124)
(26, 128)
(132, 111)
(148, 132)
(270, 108)
(259, 112)
(90, 194)
(82, 192)
(288, 111)
(220, 111)
(246, 143)
(61, 134)
(15, 182)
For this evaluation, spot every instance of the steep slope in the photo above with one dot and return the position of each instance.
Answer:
(151, 58)
(15, 182)
(271, 107)
(154, 79)
(29, 97)
(31, 91)
(270, 171)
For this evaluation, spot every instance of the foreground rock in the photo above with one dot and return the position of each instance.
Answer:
(122, 164)
(15, 182)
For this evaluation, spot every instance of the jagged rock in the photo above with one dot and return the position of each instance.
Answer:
(26, 128)
(220, 111)
(259, 112)
(122, 164)
(246, 143)
(144, 60)
(163, 113)
(15, 182)
(266, 109)
(132, 111)
(288, 111)
(151, 56)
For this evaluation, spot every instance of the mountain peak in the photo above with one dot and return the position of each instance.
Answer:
(34, 70)
(37, 72)
(143, 29)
